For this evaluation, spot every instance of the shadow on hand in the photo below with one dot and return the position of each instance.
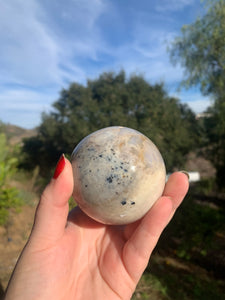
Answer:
(2, 293)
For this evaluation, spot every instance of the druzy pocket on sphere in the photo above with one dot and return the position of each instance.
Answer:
(118, 175)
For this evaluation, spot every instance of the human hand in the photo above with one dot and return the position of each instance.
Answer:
(75, 257)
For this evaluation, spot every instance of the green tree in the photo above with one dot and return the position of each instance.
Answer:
(215, 137)
(8, 195)
(200, 50)
(112, 100)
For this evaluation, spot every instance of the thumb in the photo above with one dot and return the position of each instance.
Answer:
(52, 211)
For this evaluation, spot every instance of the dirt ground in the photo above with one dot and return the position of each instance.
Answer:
(13, 237)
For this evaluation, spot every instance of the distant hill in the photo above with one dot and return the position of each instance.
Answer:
(15, 134)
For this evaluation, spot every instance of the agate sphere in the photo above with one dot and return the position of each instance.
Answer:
(118, 175)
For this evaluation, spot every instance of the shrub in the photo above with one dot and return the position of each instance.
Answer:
(8, 195)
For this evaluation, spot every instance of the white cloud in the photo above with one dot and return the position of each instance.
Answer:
(23, 99)
(24, 107)
(153, 70)
(172, 5)
(150, 43)
(28, 53)
(87, 11)
(34, 52)
(79, 33)
(147, 55)
(47, 44)
(199, 106)
(197, 102)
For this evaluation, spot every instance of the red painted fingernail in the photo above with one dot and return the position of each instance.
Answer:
(59, 167)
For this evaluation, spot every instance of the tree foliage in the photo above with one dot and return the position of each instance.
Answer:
(201, 51)
(113, 100)
(215, 138)
(8, 195)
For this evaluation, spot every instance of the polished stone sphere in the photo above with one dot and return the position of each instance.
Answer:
(118, 175)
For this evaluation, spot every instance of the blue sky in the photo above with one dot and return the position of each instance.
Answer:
(46, 45)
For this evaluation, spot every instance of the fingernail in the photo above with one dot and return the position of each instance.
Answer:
(186, 173)
(59, 167)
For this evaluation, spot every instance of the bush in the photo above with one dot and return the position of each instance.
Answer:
(8, 195)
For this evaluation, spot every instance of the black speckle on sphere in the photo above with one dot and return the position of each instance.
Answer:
(109, 179)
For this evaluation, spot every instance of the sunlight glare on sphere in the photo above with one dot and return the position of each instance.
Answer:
(118, 175)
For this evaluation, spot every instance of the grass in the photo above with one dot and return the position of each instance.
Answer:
(163, 281)
(187, 263)
(150, 287)
(186, 284)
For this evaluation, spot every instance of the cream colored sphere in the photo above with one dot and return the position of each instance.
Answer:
(118, 175)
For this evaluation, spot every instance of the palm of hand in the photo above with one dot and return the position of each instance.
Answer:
(99, 252)
(78, 258)
(96, 259)
(89, 257)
